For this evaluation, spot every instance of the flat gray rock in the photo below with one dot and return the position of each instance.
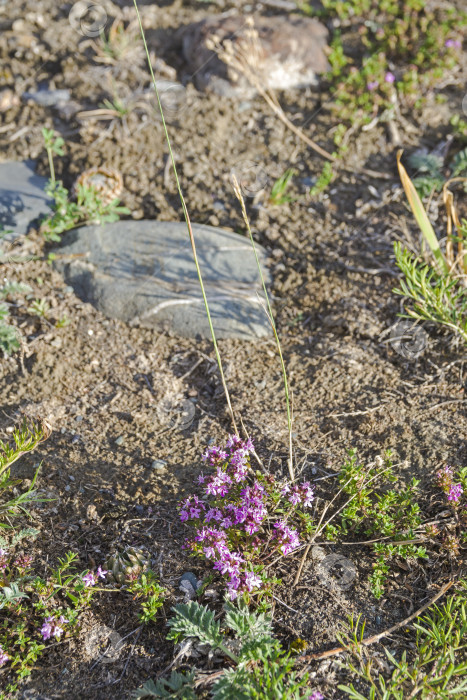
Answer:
(22, 197)
(142, 272)
(288, 52)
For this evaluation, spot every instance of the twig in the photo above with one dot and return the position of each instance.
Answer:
(285, 604)
(207, 680)
(377, 637)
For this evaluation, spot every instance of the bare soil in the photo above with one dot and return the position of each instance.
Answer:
(97, 380)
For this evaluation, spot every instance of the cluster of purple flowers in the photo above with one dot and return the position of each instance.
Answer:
(3, 656)
(388, 78)
(91, 578)
(453, 44)
(445, 479)
(233, 509)
(53, 627)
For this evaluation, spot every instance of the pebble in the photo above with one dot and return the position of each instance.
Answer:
(158, 464)
(48, 98)
(8, 99)
(120, 440)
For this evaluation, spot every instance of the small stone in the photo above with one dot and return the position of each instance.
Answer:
(120, 440)
(48, 98)
(139, 509)
(71, 478)
(79, 418)
(158, 464)
(189, 584)
(8, 99)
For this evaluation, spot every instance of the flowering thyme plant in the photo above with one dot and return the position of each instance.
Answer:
(38, 611)
(244, 519)
(446, 481)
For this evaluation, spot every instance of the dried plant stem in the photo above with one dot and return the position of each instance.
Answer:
(377, 637)
(238, 194)
(244, 58)
(188, 222)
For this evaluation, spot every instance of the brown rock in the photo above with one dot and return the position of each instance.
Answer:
(290, 52)
(8, 99)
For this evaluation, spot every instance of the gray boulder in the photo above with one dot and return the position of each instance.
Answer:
(143, 273)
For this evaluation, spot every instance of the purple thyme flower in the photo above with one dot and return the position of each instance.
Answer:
(58, 628)
(89, 579)
(389, 77)
(444, 478)
(455, 492)
(252, 580)
(372, 85)
(294, 497)
(101, 573)
(3, 656)
(23, 561)
(453, 44)
(47, 628)
(214, 455)
(316, 696)
(307, 494)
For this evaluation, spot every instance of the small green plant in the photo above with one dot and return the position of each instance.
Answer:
(430, 165)
(35, 609)
(147, 589)
(261, 668)
(25, 439)
(38, 609)
(278, 194)
(40, 308)
(435, 297)
(324, 180)
(404, 49)
(88, 207)
(437, 287)
(459, 128)
(9, 339)
(390, 514)
(436, 668)
(179, 685)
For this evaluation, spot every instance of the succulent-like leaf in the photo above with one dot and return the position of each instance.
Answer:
(194, 620)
